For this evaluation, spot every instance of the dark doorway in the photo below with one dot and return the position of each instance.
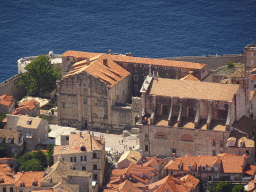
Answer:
(85, 124)
(165, 110)
(191, 112)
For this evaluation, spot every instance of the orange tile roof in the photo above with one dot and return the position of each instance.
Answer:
(230, 163)
(250, 169)
(193, 89)
(25, 107)
(6, 100)
(79, 54)
(110, 73)
(6, 174)
(190, 77)
(161, 62)
(27, 178)
(138, 60)
(184, 184)
(76, 141)
(127, 186)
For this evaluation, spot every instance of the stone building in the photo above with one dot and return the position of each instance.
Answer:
(188, 117)
(13, 142)
(62, 176)
(87, 95)
(139, 67)
(250, 56)
(207, 168)
(85, 152)
(7, 104)
(30, 108)
(34, 129)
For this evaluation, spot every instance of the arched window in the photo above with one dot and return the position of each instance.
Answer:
(186, 137)
(160, 135)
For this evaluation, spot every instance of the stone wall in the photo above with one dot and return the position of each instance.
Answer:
(213, 61)
(9, 87)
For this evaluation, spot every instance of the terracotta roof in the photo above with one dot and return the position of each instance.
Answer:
(127, 186)
(76, 141)
(61, 170)
(27, 178)
(190, 77)
(6, 100)
(184, 184)
(245, 124)
(62, 184)
(132, 156)
(193, 89)
(79, 54)
(138, 60)
(153, 162)
(229, 163)
(25, 107)
(5, 134)
(159, 62)
(250, 169)
(109, 73)
(6, 175)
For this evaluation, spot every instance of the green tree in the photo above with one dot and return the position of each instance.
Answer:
(39, 155)
(31, 165)
(40, 77)
(50, 148)
(2, 116)
(238, 188)
(223, 186)
(3, 152)
(230, 65)
(24, 158)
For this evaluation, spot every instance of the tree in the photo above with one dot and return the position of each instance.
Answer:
(40, 77)
(2, 116)
(223, 186)
(3, 152)
(230, 65)
(41, 157)
(31, 165)
(50, 148)
(238, 188)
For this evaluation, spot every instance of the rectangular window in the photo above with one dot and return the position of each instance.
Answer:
(4, 189)
(174, 151)
(71, 159)
(85, 112)
(213, 143)
(11, 189)
(85, 101)
(94, 155)
(74, 168)
(83, 158)
(146, 147)
(67, 138)
(135, 87)
(95, 167)
(74, 159)
(84, 168)
(95, 177)
(214, 153)
(135, 77)
(221, 143)
(63, 105)
(99, 103)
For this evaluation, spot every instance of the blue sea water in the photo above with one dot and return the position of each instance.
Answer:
(152, 28)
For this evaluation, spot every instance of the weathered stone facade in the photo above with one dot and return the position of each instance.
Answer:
(250, 56)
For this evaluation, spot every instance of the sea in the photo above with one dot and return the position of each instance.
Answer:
(152, 28)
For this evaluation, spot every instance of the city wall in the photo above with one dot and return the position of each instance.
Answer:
(213, 61)
(9, 87)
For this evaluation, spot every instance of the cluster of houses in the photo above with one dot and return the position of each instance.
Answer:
(191, 129)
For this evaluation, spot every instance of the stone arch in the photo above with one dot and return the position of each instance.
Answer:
(160, 135)
(186, 137)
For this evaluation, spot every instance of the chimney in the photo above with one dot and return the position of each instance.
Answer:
(173, 156)
(34, 102)
(27, 107)
(128, 54)
(109, 51)
(105, 62)
(59, 158)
